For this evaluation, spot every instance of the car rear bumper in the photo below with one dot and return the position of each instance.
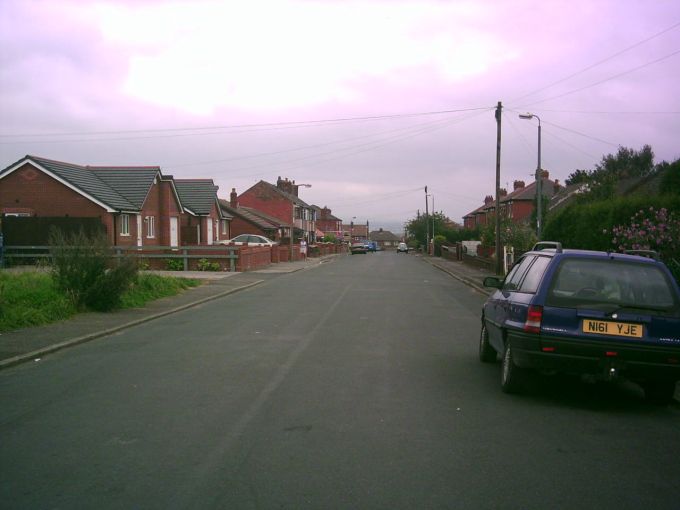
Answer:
(634, 361)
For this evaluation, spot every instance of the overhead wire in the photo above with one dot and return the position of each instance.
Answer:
(201, 130)
(295, 149)
(369, 146)
(628, 71)
(600, 62)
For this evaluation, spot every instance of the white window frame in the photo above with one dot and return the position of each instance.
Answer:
(124, 224)
(150, 227)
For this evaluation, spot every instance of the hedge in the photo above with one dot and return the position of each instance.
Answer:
(582, 225)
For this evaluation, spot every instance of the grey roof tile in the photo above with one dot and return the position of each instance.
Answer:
(131, 182)
(197, 195)
(87, 181)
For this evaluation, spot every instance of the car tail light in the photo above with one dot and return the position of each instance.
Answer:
(534, 317)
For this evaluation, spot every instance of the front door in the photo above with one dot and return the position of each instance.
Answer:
(209, 225)
(173, 231)
(139, 230)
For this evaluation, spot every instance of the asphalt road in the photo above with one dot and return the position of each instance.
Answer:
(352, 385)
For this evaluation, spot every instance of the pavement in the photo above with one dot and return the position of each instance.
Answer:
(469, 274)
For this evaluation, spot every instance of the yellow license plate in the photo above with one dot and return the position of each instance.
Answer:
(612, 328)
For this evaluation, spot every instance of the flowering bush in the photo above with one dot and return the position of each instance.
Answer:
(651, 229)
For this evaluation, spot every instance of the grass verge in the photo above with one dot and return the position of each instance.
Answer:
(31, 298)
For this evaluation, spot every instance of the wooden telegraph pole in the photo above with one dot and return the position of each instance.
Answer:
(499, 251)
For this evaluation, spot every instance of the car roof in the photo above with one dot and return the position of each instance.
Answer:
(574, 253)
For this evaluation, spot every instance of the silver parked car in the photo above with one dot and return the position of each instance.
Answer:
(250, 239)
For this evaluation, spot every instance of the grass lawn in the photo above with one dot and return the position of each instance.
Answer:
(31, 299)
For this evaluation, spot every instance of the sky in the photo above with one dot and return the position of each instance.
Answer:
(368, 101)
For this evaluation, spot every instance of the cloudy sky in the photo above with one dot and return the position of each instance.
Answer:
(368, 101)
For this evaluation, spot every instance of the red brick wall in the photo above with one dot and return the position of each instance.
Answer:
(240, 226)
(167, 207)
(263, 198)
(29, 188)
(521, 210)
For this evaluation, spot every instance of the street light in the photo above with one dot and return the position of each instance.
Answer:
(539, 176)
(292, 218)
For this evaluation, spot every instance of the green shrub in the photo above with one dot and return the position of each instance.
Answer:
(174, 264)
(207, 265)
(106, 292)
(80, 269)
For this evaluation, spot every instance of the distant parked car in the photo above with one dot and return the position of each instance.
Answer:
(357, 247)
(250, 239)
(403, 247)
(585, 312)
(371, 246)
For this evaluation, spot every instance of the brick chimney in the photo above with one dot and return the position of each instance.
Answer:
(545, 174)
(233, 198)
(503, 192)
(557, 186)
(488, 199)
(517, 185)
(286, 185)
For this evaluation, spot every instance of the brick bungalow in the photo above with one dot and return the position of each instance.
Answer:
(385, 239)
(204, 221)
(137, 205)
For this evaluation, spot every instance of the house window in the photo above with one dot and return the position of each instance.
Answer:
(225, 228)
(125, 224)
(150, 226)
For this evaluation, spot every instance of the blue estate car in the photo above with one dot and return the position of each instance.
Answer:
(585, 312)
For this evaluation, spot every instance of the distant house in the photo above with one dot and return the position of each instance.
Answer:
(204, 221)
(282, 202)
(135, 205)
(384, 238)
(327, 223)
(246, 220)
(356, 231)
(518, 206)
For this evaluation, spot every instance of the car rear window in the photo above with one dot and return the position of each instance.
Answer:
(627, 284)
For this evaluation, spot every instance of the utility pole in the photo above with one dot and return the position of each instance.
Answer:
(427, 224)
(539, 188)
(499, 252)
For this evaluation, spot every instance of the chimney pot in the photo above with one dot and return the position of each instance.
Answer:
(233, 198)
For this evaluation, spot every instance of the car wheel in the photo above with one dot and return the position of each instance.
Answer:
(512, 376)
(487, 354)
(659, 392)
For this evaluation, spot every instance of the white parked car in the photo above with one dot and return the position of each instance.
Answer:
(250, 239)
(403, 247)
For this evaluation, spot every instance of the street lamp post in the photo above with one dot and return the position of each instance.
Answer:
(292, 219)
(539, 176)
